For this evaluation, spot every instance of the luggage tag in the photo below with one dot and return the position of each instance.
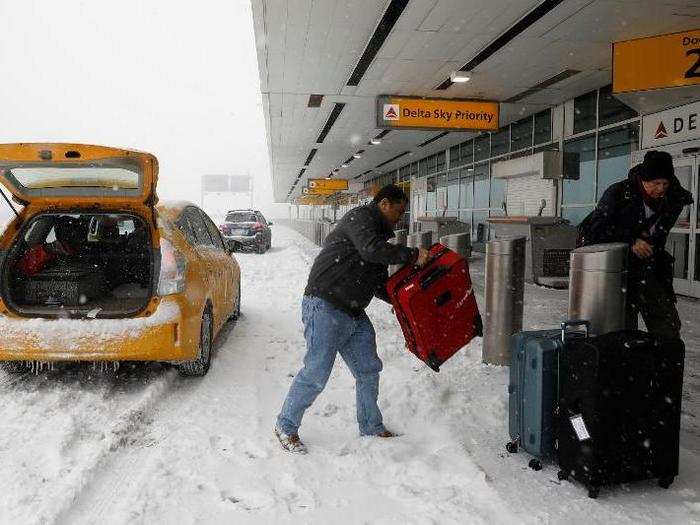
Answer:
(580, 428)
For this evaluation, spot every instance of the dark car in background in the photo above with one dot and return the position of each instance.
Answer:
(248, 229)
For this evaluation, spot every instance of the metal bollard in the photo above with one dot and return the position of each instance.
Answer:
(400, 240)
(400, 237)
(505, 289)
(598, 286)
(458, 242)
(420, 240)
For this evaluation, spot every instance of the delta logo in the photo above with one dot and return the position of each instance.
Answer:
(391, 111)
(661, 132)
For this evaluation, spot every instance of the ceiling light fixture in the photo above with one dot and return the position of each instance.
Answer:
(375, 142)
(357, 156)
(344, 165)
(460, 76)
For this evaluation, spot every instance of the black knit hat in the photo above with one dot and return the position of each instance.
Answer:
(657, 165)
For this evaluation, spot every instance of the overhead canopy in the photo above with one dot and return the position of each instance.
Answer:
(526, 54)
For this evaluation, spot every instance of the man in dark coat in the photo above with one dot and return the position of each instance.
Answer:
(641, 211)
(349, 271)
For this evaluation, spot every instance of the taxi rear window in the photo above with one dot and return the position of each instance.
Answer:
(76, 177)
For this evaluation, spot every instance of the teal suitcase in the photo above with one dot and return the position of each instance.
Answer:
(533, 390)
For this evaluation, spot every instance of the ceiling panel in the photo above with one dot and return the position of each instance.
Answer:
(312, 46)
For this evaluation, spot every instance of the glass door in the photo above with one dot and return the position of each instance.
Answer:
(695, 234)
(682, 241)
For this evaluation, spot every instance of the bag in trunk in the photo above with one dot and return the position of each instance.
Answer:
(65, 284)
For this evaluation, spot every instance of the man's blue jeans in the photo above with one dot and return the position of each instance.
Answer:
(329, 331)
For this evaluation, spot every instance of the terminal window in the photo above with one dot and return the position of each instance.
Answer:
(581, 191)
(614, 149)
(611, 110)
(585, 108)
(521, 134)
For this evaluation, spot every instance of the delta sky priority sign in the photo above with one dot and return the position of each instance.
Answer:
(394, 112)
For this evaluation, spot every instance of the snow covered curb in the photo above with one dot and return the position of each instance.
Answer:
(68, 333)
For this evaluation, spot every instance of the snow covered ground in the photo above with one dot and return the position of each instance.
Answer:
(142, 445)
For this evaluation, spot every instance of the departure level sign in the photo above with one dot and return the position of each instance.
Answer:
(437, 113)
(657, 62)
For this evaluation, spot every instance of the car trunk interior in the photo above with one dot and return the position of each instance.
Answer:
(93, 265)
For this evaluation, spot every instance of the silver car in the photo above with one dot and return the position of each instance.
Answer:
(248, 229)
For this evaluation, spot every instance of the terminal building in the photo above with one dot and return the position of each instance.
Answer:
(488, 112)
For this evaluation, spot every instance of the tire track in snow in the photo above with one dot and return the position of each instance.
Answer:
(72, 420)
(128, 434)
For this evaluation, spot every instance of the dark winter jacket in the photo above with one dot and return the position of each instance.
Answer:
(620, 217)
(352, 266)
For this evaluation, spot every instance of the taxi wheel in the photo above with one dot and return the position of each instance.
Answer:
(200, 366)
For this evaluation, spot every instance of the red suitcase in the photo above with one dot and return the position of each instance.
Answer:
(435, 306)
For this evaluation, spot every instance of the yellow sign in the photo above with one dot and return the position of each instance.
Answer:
(657, 62)
(436, 113)
(328, 184)
(310, 200)
(317, 191)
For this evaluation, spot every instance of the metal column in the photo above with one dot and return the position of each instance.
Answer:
(400, 237)
(598, 286)
(420, 240)
(505, 289)
(458, 242)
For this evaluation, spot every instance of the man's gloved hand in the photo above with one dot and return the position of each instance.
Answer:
(423, 257)
(642, 249)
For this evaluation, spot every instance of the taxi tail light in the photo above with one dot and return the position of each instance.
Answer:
(258, 227)
(173, 269)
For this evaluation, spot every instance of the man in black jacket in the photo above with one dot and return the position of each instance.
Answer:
(641, 211)
(349, 271)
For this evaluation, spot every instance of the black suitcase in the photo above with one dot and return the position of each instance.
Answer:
(65, 284)
(619, 409)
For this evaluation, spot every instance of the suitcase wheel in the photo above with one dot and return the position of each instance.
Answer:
(593, 492)
(478, 326)
(562, 475)
(665, 483)
(433, 362)
(535, 465)
(512, 447)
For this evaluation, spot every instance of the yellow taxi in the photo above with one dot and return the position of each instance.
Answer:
(94, 268)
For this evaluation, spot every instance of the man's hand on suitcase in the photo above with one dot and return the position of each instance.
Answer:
(423, 257)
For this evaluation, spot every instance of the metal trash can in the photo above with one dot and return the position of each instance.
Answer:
(598, 286)
(458, 242)
(420, 240)
(505, 289)
(400, 240)
(400, 237)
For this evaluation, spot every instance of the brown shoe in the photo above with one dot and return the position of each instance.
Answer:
(290, 443)
(386, 434)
